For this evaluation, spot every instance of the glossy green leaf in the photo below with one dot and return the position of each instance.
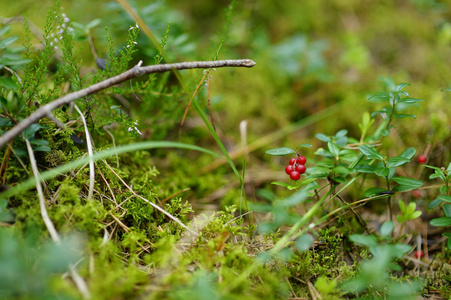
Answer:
(409, 153)
(434, 203)
(323, 137)
(440, 222)
(401, 86)
(280, 151)
(333, 148)
(444, 198)
(409, 100)
(305, 145)
(371, 153)
(365, 168)
(401, 116)
(408, 181)
(397, 161)
(447, 209)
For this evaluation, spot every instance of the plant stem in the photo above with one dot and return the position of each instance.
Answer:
(134, 72)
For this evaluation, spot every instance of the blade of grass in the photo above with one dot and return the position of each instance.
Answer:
(30, 183)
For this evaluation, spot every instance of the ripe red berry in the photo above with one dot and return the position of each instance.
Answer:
(418, 254)
(289, 169)
(292, 161)
(416, 194)
(301, 169)
(295, 175)
(422, 159)
(301, 160)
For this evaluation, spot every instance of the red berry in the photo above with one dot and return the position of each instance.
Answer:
(301, 160)
(292, 161)
(301, 169)
(416, 194)
(418, 254)
(295, 175)
(422, 159)
(289, 169)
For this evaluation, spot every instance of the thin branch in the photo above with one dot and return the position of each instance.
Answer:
(91, 161)
(79, 281)
(134, 72)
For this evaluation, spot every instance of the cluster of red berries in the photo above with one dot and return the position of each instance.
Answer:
(296, 167)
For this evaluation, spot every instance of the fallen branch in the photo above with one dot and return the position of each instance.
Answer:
(134, 72)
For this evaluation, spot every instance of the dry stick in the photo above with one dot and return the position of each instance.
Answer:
(91, 161)
(134, 72)
(79, 282)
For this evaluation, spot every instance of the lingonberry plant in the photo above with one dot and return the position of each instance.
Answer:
(346, 161)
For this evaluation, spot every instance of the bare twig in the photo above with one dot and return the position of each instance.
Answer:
(79, 282)
(134, 72)
(91, 161)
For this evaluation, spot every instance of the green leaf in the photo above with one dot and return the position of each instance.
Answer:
(434, 203)
(323, 137)
(402, 206)
(366, 240)
(383, 172)
(305, 145)
(400, 116)
(408, 153)
(385, 132)
(42, 148)
(410, 100)
(93, 24)
(379, 97)
(303, 243)
(4, 30)
(8, 41)
(5, 122)
(444, 198)
(333, 148)
(280, 151)
(31, 130)
(413, 183)
(365, 169)
(440, 222)
(401, 86)
(39, 142)
(7, 83)
(341, 133)
(371, 153)
(387, 228)
(397, 161)
(415, 215)
(447, 209)
(444, 189)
